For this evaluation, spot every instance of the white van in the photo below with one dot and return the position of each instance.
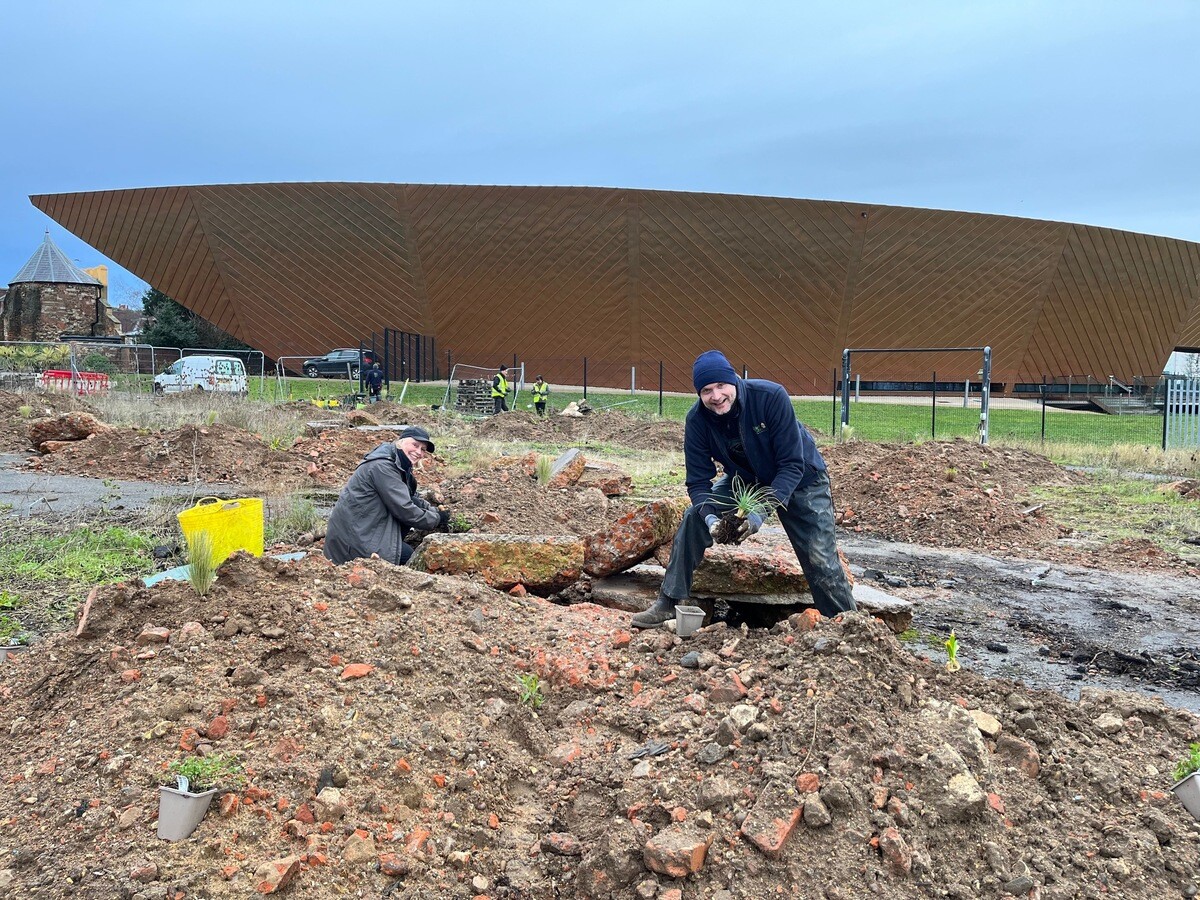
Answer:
(222, 374)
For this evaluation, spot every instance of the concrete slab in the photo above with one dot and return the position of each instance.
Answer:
(636, 588)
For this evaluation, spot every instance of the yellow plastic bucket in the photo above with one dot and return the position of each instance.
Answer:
(231, 525)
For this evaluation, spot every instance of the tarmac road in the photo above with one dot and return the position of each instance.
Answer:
(25, 492)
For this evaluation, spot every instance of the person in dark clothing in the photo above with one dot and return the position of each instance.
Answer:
(500, 391)
(379, 506)
(750, 428)
(374, 381)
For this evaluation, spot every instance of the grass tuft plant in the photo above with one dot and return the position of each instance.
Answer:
(744, 500)
(202, 571)
(545, 466)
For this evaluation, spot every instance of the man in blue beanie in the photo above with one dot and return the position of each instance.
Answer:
(749, 427)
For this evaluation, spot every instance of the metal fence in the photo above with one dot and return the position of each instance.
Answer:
(1150, 412)
(1045, 411)
(1182, 411)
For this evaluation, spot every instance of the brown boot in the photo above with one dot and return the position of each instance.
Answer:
(662, 611)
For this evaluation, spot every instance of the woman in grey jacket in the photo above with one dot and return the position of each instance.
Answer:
(379, 505)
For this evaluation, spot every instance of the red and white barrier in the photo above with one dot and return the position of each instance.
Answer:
(81, 382)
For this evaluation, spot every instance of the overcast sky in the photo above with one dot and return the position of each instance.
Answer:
(1072, 111)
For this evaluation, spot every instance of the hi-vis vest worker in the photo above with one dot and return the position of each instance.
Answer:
(540, 391)
(499, 385)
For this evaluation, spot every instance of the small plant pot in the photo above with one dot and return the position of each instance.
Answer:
(688, 619)
(10, 653)
(179, 812)
(1188, 792)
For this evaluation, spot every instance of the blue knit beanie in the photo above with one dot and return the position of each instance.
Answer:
(711, 367)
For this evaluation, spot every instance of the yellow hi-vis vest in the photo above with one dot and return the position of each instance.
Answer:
(540, 392)
(499, 386)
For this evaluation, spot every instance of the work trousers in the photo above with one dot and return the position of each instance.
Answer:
(499, 405)
(540, 408)
(807, 518)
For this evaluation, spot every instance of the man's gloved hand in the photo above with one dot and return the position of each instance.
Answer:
(749, 526)
(443, 518)
(713, 523)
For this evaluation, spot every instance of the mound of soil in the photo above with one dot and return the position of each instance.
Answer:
(949, 493)
(509, 502)
(378, 714)
(14, 424)
(214, 453)
(610, 426)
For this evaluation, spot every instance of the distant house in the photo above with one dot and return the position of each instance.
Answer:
(132, 322)
(51, 296)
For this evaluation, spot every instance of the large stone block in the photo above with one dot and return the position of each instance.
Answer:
(632, 538)
(540, 563)
(568, 468)
(609, 480)
(72, 426)
(756, 567)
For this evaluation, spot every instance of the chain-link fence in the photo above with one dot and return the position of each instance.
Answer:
(1049, 410)
(1066, 409)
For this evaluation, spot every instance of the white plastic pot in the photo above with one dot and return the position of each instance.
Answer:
(1188, 792)
(688, 619)
(179, 812)
(14, 650)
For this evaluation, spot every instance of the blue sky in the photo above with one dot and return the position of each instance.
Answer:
(1083, 112)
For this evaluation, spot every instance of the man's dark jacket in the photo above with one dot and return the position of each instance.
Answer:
(378, 506)
(781, 452)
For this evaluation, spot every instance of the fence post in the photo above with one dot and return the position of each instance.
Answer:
(1166, 413)
(632, 380)
(449, 366)
(834, 427)
(1043, 409)
(845, 387)
(660, 387)
(985, 395)
(933, 413)
(585, 378)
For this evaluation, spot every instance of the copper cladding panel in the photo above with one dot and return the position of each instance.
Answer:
(634, 277)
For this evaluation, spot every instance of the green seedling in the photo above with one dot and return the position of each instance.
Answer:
(1189, 764)
(952, 663)
(25, 411)
(951, 473)
(206, 772)
(529, 691)
(202, 571)
(459, 523)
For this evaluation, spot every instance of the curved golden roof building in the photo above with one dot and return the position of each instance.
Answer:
(632, 278)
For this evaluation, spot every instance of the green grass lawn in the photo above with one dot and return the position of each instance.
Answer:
(870, 421)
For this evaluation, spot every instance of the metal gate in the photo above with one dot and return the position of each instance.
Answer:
(1181, 429)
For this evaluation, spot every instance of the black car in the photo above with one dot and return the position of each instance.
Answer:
(338, 364)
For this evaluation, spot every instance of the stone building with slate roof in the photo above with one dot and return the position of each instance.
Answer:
(50, 297)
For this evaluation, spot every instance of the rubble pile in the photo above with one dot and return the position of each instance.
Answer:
(392, 749)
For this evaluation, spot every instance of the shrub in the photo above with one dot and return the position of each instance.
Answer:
(1189, 764)
(98, 362)
(205, 772)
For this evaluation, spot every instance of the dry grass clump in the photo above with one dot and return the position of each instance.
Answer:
(279, 426)
(1118, 458)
